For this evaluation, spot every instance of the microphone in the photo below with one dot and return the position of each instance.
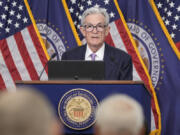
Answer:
(52, 56)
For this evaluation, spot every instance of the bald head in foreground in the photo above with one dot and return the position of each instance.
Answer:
(119, 115)
(27, 112)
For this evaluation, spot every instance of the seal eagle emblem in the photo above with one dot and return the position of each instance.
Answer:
(77, 109)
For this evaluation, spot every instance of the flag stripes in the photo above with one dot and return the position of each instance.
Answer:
(39, 49)
(116, 37)
(2, 84)
(27, 60)
(178, 45)
(17, 58)
(109, 40)
(32, 50)
(5, 76)
(9, 62)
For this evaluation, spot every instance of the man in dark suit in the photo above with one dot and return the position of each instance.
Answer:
(94, 27)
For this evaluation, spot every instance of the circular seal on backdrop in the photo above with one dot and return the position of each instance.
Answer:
(52, 40)
(148, 50)
(77, 109)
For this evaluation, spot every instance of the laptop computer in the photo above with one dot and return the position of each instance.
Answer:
(76, 70)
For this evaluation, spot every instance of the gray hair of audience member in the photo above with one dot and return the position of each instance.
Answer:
(26, 112)
(119, 114)
(95, 10)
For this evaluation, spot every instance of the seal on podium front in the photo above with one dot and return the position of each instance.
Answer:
(77, 108)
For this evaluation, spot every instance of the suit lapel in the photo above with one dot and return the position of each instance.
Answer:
(82, 51)
(109, 64)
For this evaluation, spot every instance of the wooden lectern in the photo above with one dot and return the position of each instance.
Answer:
(59, 92)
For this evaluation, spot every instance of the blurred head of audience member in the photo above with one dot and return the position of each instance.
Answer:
(119, 115)
(27, 112)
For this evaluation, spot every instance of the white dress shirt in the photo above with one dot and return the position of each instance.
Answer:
(99, 53)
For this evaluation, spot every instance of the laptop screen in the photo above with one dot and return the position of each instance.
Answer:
(76, 70)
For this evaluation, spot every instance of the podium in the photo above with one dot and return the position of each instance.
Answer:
(62, 93)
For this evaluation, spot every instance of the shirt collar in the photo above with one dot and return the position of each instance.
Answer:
(99, 53)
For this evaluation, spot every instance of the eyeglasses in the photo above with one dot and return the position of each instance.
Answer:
(99, 27)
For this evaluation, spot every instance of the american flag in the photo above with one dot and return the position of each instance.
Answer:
(118, 36)
(21, 54)
(170, 13)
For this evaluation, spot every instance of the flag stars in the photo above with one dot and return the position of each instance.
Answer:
(178, 8)
(71, 10)
(14, 3)
(11, 12)
(106, 2)
(7, 30)
(167, 22)
(20, 7)
(16, 25)
(169, 13)
(6, 8)
(18, 16)
(9, 21)
(111, 14)
(159, 5)
(96, 6)
(1, 3)
(1, 25)
(172, 35)
(78, 26)
(165, 9)
(80, 17)
(25, 20)
(163, 18)
(73, 1)
(176, 18)
(81, 8)
(174, 26)
(75, 22)
(89, 2)
(171, 4)
(77, 13)
(3, 16)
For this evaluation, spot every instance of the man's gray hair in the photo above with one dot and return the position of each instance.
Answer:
(95, 10)
(25, 112)
(120, 114)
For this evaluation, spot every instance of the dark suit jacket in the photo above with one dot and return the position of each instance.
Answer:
(118, 64)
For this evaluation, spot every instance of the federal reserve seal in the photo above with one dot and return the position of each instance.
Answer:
(149, 49)
(77, 109)
(52, 40)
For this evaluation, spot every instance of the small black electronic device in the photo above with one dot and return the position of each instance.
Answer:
(76, 70)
